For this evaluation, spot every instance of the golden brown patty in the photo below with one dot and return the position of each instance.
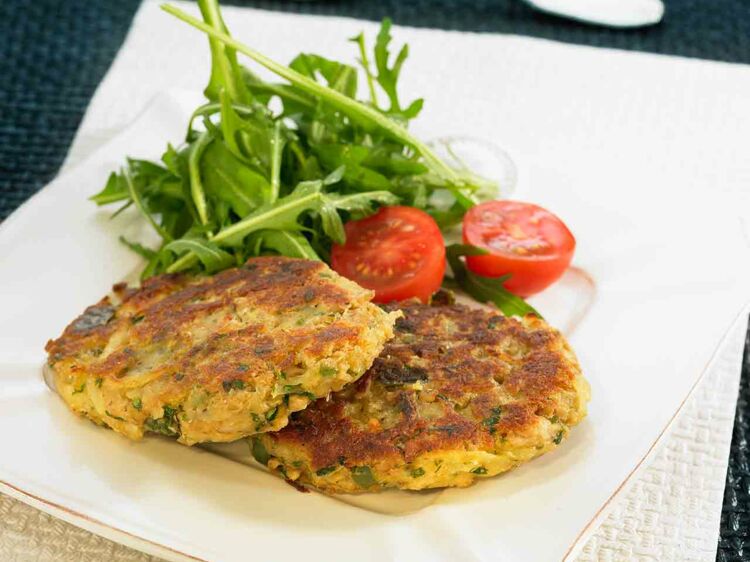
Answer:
(218, 358)
(458, 394)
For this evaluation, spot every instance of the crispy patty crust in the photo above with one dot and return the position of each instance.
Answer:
(458, 394)
(218, 358)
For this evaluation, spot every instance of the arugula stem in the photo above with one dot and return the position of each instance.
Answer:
(334, 98)
(121, 209)
(196, 186)
(211, 108)
(251, 223)
(283, 93)
(185, 262)
(139, 204)
(484, 289)
(212, 15)
(297, 151)
(360, 39)
(277, 146)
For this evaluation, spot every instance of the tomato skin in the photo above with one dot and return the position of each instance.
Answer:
(398, 252)
(524, 240)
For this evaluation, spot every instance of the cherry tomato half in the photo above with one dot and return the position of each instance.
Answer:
(524, 240)
(398, 252)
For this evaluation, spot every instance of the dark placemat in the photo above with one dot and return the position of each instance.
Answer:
(54, 53)
(710, 29)
(734, 541)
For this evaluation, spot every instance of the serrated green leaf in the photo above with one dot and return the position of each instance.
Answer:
(362, 114)
(230, 180)
(114, 190)
(362, 201)
(350, 157)
(335, 176)
(285, 243)
(281, 215)
(134, 194)
(247, 131)
(254, 176)
(331, 222)
(225, 73)
(485, 289)
(390, 160)
(364, 62)
(388, 76)
(209, 254)
(139, 249)
(338, 76)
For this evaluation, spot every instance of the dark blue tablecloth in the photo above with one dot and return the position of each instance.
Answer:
(53, 53)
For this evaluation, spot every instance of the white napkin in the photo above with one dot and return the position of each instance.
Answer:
(671, 511)
(643, 155)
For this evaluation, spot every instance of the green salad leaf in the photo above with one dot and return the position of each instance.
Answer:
(484, 289)
(387, 76)
(278, 166)
(285, 243)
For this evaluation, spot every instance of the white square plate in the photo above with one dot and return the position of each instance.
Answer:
(670, 263)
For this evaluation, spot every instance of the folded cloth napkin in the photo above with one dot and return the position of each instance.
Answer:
(641, 154)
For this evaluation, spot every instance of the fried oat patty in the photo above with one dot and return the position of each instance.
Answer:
(218, 358)
(458, 394)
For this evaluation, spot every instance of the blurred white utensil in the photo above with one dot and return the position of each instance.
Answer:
(612, 13)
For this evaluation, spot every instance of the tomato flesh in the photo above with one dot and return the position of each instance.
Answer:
(398, 252)
(524, 240)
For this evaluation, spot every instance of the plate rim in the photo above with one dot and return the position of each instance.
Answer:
(598, 518)
(96, 526)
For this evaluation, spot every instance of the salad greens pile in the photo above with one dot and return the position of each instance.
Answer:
(278, 167)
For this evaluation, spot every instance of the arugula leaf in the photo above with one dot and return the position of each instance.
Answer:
(364, 62)
(388, 76)
(210, 255)
(114, 190)
(229, 180)
(254, 176)
(282, 215)
(351, 156)
(247, 134)
(339, 77)
(485, 289)
(359, 203)
(294, 101)
(157, 264)
(363, 114)
(224, 67)
(196, 186)
(147, 253)
(388, 159)
(286, 243)
(362, 202)
(136, 198)
(331, 222)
